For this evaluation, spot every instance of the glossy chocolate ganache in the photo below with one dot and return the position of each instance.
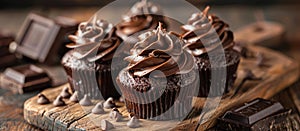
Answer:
(95, 40)
(210, 40)
(201, 31)
(159, 50)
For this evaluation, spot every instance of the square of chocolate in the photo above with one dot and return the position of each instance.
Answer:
(25, 78)
(259, 114)
(42, 39)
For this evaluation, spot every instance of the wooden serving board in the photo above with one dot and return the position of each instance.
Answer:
(279, 72)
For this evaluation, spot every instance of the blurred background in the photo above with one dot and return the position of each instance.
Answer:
(237, 13)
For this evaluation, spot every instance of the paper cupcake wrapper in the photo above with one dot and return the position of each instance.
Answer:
(206, 85)
(97, 84)
(173, 103)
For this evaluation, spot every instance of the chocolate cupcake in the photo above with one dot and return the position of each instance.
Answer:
(204, 36)
(143, 16)
(88, 65)
(161, 78)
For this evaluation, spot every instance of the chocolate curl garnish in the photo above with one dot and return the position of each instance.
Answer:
(200, 34)
(248, 77)
(205, 11)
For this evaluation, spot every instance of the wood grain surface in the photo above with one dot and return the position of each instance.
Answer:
(279, 74)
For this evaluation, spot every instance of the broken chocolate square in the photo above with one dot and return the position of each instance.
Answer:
(43, 39)
(258, 114)
(25, 78)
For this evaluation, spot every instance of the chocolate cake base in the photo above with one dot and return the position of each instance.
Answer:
(156, 98)
(205, 73)
(91, 78)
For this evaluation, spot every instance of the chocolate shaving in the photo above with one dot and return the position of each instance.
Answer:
(249, 76)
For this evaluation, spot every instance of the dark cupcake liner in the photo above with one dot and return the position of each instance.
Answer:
(214, 88)
(96, 83)
(173, 103)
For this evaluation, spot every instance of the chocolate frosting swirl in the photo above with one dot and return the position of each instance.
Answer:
(142, 16)
(159, 50)
(144, 7)
(200, 33)
(95, 40)
(135, 24)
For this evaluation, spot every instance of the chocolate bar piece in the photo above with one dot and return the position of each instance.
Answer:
(6, 58)
(43, 39)
(258, 114)
(25, 78)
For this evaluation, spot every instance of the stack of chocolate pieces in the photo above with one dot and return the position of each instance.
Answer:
(25, 78)
(259, 114)
(42, 39)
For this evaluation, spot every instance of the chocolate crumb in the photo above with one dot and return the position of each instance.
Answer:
(98, 109)
(106, 125)
(74, 97)
(42, 99)
(85, 101)
(65, 93)
(59, 101)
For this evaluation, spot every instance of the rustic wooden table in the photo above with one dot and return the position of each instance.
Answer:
(11, 105)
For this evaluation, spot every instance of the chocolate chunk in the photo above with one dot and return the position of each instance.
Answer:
(109, 103)
(115, 115)
(106, 125)
(98, 109)
(115, 109)
(133, 122)
(43, 39)
(42, 99)
(258, 114)
(85, 101)
(65, 93)
(74, 97)
(59, 101)
(25, 78)
(131, 115)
